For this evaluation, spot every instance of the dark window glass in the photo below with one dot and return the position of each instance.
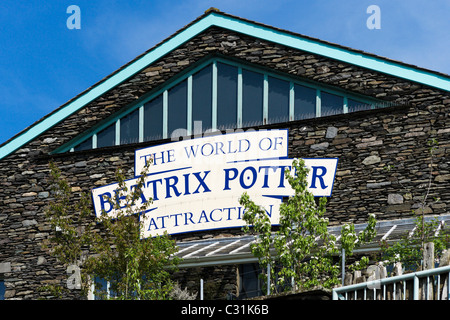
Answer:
(153, 119)
(305, 102)
(202, 99)
(177, 109)
(252, 98)
(129, 128)
(86, 145)
(107, 137)
(226, 96)
(354, 105)
(331, 104)
(249, 280)
(278, 100)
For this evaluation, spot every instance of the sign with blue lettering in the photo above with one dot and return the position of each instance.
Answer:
(195, 184)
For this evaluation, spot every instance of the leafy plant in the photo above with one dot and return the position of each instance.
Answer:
(302, 247)
(111, 249)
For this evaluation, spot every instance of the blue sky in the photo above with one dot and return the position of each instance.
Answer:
(43, 64)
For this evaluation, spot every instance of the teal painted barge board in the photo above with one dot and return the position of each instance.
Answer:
(235, 24)
(331, 51)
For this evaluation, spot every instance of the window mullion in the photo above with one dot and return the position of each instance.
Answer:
(141, 123)
(189, 105)
(291, 101)
(214, 96)
(266, 99)
(94, 141)
(117, 132)
(165, 114)
(345, 104)
(239, 97)
(318, 103)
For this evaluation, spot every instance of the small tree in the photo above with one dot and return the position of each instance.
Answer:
(409, 251)
(302, 247)
(111, 249)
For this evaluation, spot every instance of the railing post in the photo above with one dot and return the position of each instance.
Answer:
(416, 288)
(201, 289)
(268, 279)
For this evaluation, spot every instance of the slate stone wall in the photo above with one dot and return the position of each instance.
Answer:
(384, 160)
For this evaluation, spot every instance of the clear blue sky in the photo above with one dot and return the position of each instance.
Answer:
(43, 64)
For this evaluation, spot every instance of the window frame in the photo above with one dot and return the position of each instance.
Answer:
(188, 76)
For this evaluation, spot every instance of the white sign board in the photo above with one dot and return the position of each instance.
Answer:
(196, 184)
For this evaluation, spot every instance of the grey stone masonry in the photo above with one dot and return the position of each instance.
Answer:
(383, 154)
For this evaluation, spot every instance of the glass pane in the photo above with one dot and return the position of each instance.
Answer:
(278, 100)
(177, 115)
(354, 105)
(226, 96)
(252, 98)
(129, 128)
(86, 145)
(305, 102)
(153, 119)
(331, 104)
(107, 137)
(202, 99)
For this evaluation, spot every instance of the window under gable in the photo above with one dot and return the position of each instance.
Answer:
(218, 95)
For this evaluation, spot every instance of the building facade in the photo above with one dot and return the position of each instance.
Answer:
(375, 115)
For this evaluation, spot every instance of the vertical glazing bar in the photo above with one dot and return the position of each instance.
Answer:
(345, 104)
(318, 103)
(189, 105)
(239, 98)
(118, 132)
(214, 96)
(291, 101)
(165, 114)
(266, 99)
(94, 141)
(141, 123)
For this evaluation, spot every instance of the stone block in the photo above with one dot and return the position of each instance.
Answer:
(331, 132)
(320, 146)
(395, 198)
(371, 160)
(5, 267)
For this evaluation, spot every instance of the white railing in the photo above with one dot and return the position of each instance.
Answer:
(432, 284)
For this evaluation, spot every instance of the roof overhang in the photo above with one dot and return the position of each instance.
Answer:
(250, 28)
(236, 250)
